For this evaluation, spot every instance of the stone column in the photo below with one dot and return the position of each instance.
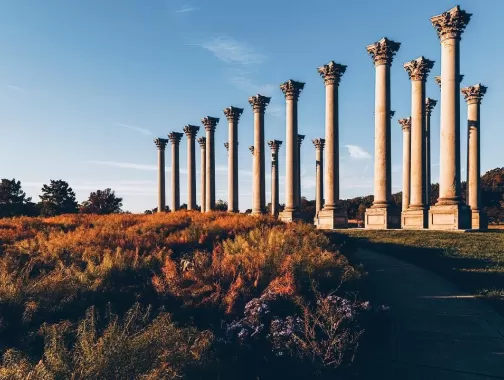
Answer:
(191, 131)
(275, 147)
(473, 96)
(251, 148)
(319, 174)
(259, 103)
(210, 123)
(233, 116)
(331, 216)
(202, 143)
(382, 215)
(450, 213)
(416, 216)
(406, 128)
(175, 138)
(300, 139)
(291, 89)
(161, 145)
(437, 79)
(429, 106)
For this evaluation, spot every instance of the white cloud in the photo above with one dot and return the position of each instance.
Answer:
(15, 88)
(229, 50)
(357, 152)
(186, 8)
(131, 165)
(241, 80)
(143, 131)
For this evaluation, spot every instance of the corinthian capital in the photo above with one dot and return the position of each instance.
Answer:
(251, 148)
(259, 102)
(419, 68)
(332, 72)
(233, 113)
(429, 105)
(291, 89)
(210, 123)
(191, 130)
(202, 142)
(175, 137)
(275, 145)
(451, 24)
(474, 94)
(405, 123)
(318, 143)
(392, 113)
(383, 51)
(300, 139)
(161, 143)
(226, 145)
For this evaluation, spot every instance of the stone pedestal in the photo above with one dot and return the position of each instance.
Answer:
(382, 214)
(291, 90)
(449, 217)
(382, 218)
(479, 220)
(331, 219)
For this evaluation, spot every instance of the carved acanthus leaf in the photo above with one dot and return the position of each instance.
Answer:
(259, 102)
(291, 89)
(474, 94)
(383, 51)
(451, 24)
(419, 68)
(332, 73)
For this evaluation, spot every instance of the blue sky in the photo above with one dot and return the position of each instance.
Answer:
(85, 86)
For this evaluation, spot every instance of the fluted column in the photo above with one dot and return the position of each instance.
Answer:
(473, 96)
(319, 173)
(202, 143)
(191, 131)
(175, 138)
(275, 147)
(259, 103)
(210, 123)
(429, 106)
(161, 145)
(449, 27)
(233, 116)
(300, 139)
(382, 214)
(291, 89)
(406, 128)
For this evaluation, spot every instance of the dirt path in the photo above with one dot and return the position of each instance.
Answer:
(436, 331)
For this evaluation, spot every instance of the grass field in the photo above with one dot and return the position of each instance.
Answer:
(177, 295)
(472, 260)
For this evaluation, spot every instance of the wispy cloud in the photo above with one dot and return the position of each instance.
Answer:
(143, 131)
(229, 50)
(123, 165)
(357, 152)
(186, 8)
(15, 88)
(242, 80)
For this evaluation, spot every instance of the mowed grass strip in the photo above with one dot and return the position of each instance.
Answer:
(473, 260)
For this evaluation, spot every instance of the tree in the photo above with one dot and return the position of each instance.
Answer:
(102, 202)
(57, 198)
(221, 205)
(154, 210)
(13, 200)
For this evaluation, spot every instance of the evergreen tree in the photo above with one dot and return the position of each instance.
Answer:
(102, 202)
(57, 198)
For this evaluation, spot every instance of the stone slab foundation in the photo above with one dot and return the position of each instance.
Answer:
(331, 219)
(415, 219)
(382, 218)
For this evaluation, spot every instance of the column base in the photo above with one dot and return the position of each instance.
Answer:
(414, 219)
(449, 217)
(382, 218)
(479, 220)
(290, 216)
(331, 219)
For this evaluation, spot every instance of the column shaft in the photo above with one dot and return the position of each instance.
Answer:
(259, 189)
(473, 162)
(203, 178)
(274, 185)
(161, 181)
(175, 175)
(290, 158)
(382, 176)
(406, 167)
(319, 172)
(428, 180)
(210, 171)
(449, 164)
(233, 166)
(417, 191)
(332, 147)
(191, 173)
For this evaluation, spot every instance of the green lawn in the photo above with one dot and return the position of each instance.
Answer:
(472, 260)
